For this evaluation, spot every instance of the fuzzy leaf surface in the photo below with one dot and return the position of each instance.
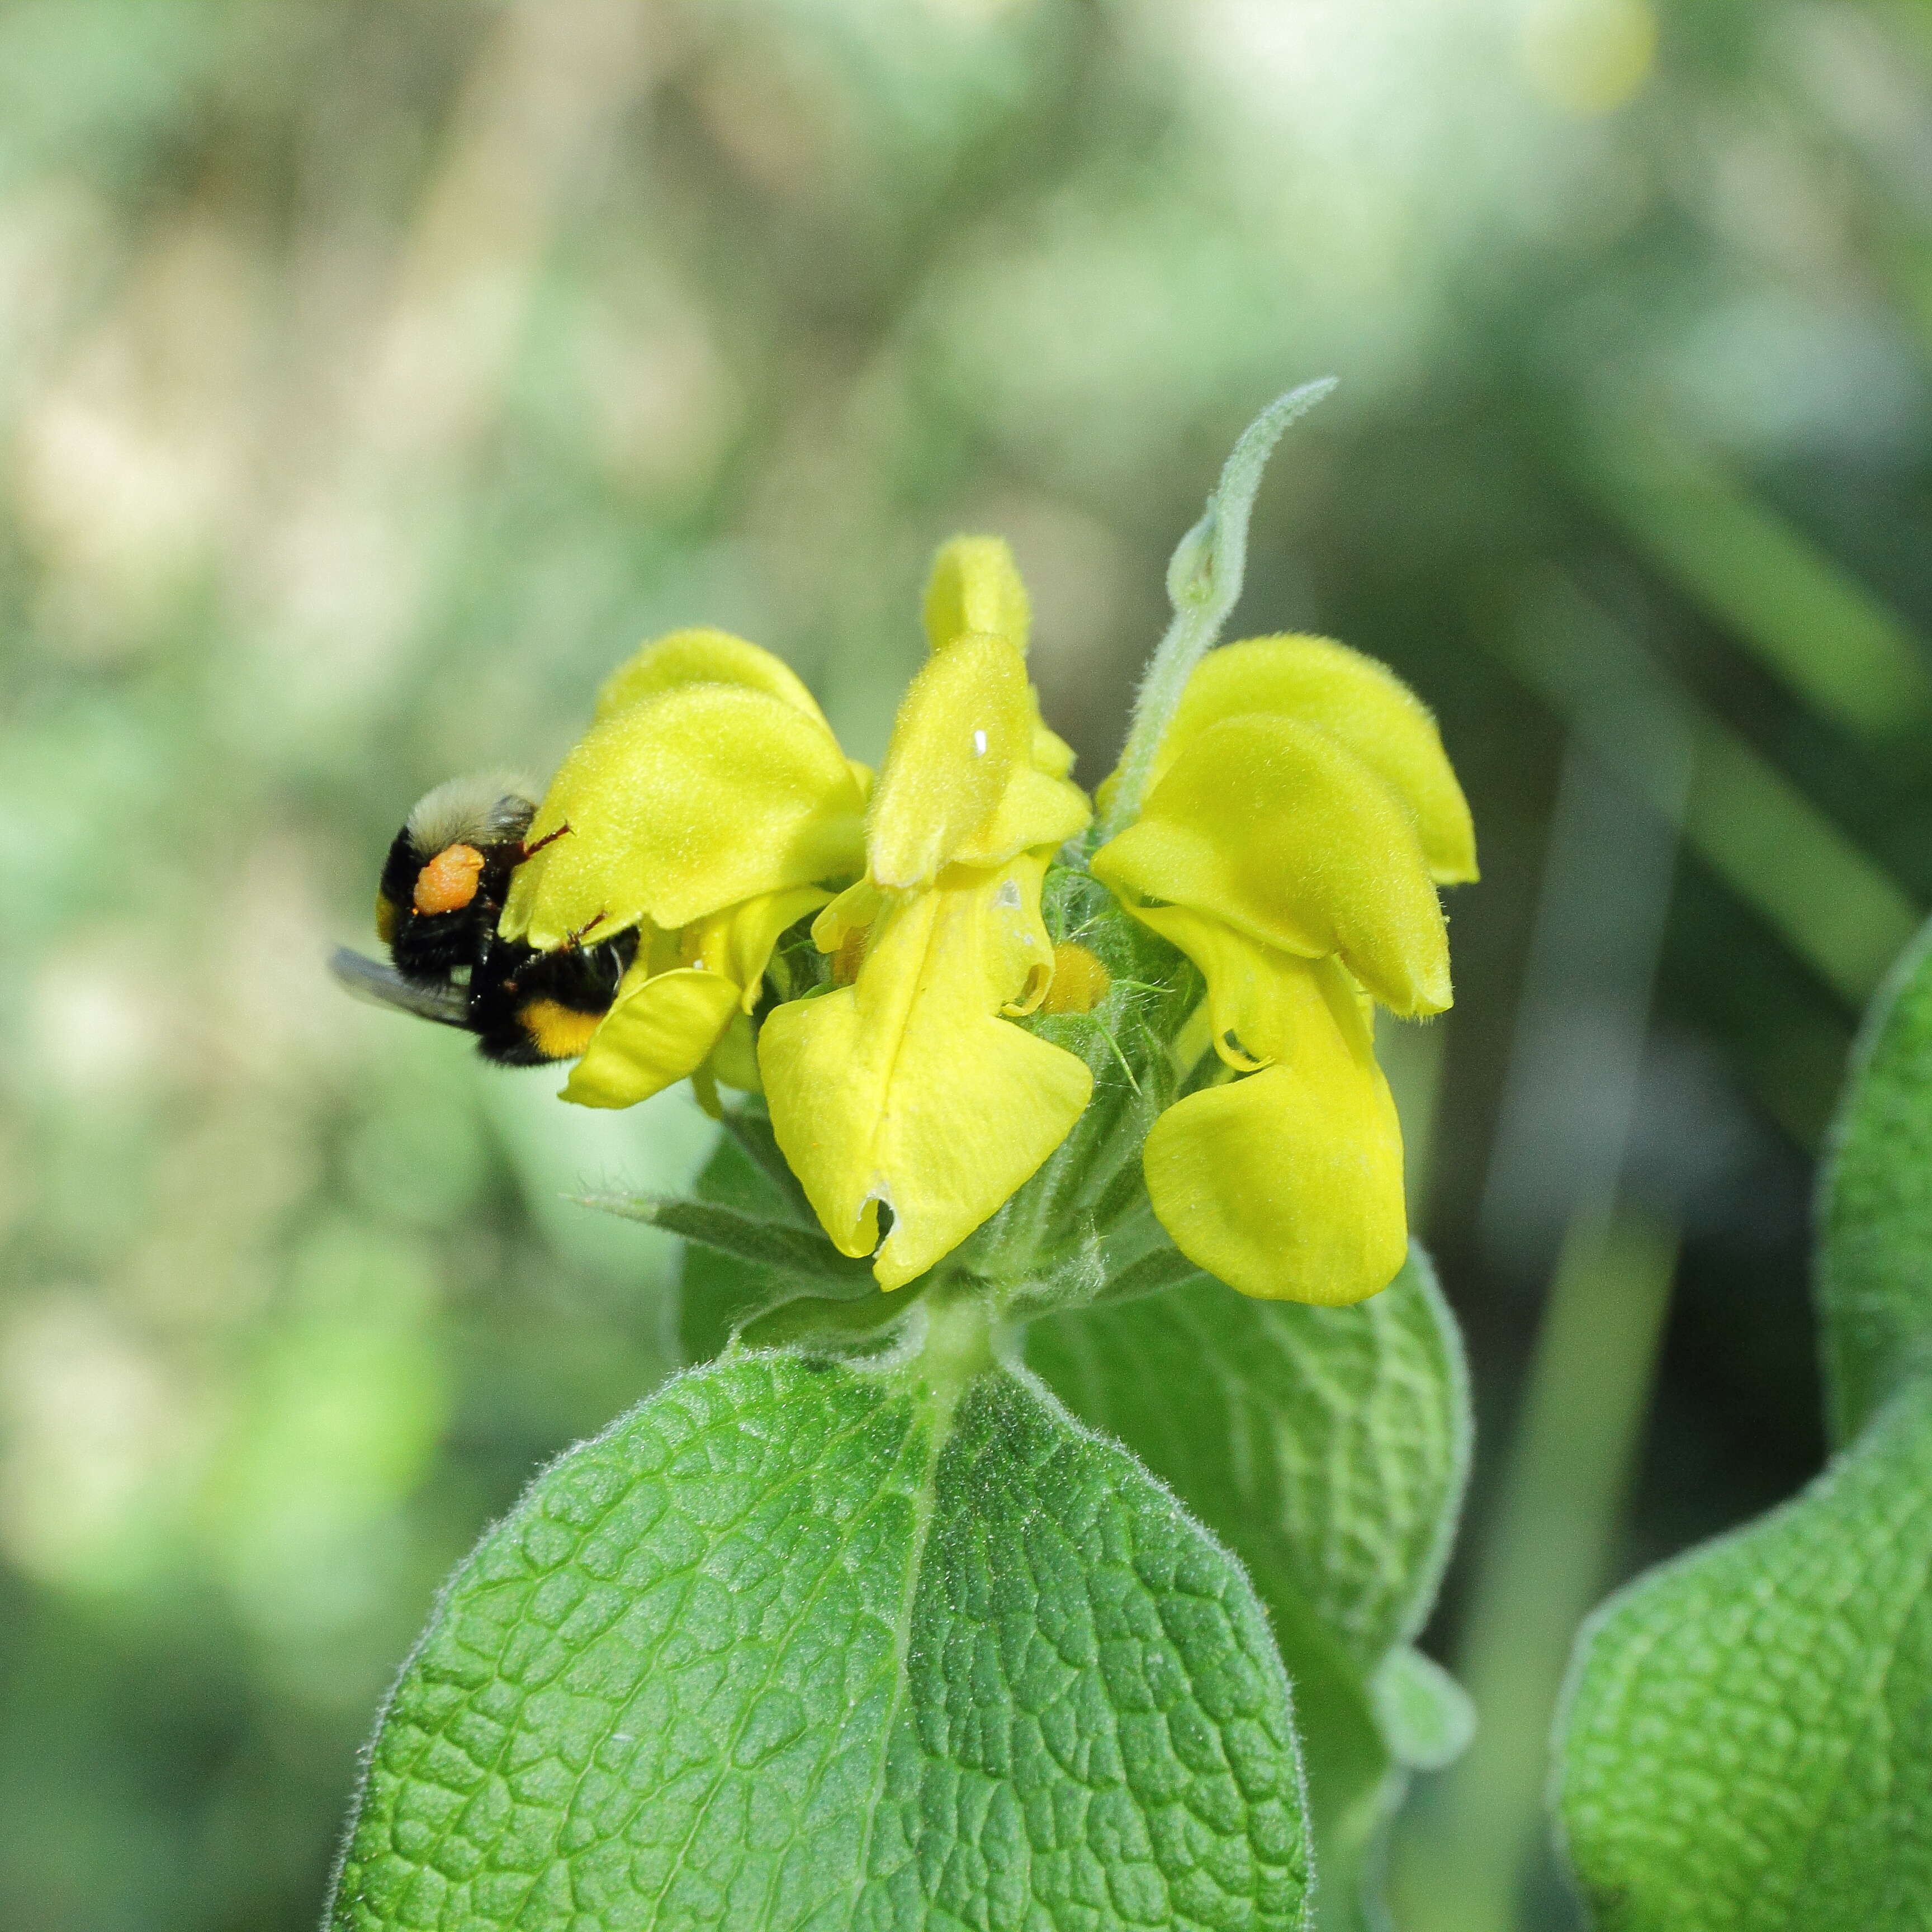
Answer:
(1875, 1246)
(723, 1290)
(773, 1246)
(799, 1644)
(1746, 1745)
(1748, 1748)
(1329, 1447)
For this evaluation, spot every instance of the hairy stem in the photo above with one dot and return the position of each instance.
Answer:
(1204, 581)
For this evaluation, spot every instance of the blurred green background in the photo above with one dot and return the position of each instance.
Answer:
(374, 374)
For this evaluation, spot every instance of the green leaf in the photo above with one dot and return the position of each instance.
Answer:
(750, 1126)
(723, 1290)
(717, 1292)
(763, 1244)
(1748, 1743)
(1875, 1249)
(1747, 1739)
(1425, 1716)
(1329, 1447)
(802, 1644)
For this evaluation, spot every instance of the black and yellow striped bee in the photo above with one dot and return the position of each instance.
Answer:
(441, 893)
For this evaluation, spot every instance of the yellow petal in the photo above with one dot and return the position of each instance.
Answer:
(1356, 699)
(852, 911)
(1275, 828)
(1019, 955)
(1035, 810)
(734, 1059)
(673, 1012)
(1287, 1185)
(908, 1089)
(681, 804)
(738, 942)
(1051, 753)
(702, 655)
(963, 781)
(658, 1032)
(975, 587)
(965, 728)
(1247, 1024)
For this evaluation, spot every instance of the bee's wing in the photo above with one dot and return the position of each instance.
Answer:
(384, 986)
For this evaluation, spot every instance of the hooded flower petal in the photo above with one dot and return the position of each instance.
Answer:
(1301, 812)
(1278, 830)
(702, 655)
(976, 588)
(974, 777)
(960, 783)
(1362, 703)
(681, 804)
(907, 1088)
(1287, 1184)
(963, 734)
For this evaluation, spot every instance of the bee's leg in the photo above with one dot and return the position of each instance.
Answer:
(571, 941)
(549, 838)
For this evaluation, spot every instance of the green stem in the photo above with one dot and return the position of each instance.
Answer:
(1204, 582)
(958, 1346)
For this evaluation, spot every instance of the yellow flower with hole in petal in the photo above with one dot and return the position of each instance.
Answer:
(710, 806)
(1301, 814)
(909, 1087)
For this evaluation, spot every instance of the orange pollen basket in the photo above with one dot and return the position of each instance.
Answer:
(447, 883)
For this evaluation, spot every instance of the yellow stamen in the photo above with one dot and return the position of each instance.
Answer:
(1080, 982)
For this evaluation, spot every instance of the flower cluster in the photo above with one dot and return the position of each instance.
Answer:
(875, 956)
(1302, 814)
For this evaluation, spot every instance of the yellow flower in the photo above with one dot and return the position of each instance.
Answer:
(710, 806)
(909, 1087)
(1301, 813)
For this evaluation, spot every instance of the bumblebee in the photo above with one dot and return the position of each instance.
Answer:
(441, 895)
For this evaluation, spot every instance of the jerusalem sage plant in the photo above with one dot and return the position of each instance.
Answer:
(1074, 1441)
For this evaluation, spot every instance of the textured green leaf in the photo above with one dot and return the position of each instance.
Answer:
(799, 1644)
(1875, 1249)
(770, 1246)
(1329, 1447)
(750, 1127)
(1748, 1745)
(722, 1292)
(716, 1292)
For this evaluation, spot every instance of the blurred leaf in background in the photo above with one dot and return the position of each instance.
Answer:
(374, 376)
